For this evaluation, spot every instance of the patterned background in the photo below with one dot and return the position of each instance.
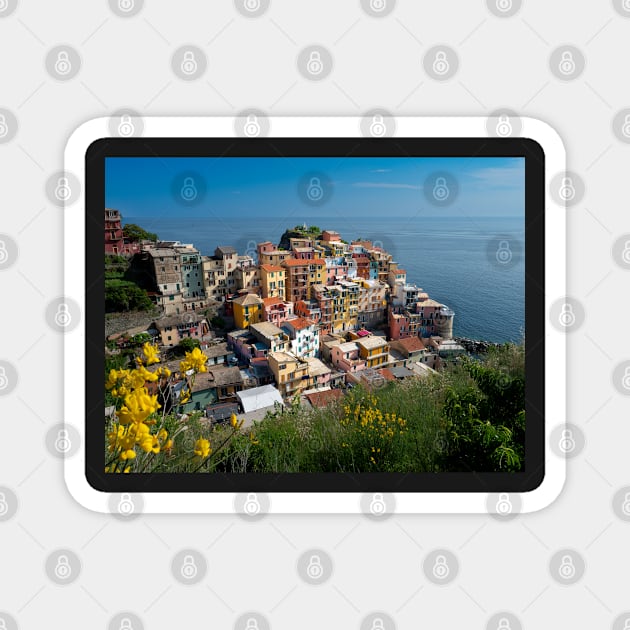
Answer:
(124, 573)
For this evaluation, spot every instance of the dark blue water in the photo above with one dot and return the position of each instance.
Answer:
(453, 259)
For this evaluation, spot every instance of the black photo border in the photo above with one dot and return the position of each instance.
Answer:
(487, 482)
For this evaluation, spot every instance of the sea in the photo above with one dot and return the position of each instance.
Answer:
(474, 265)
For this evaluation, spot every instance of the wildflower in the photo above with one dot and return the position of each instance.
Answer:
(202, 448)
(195, 360)
(252, 438)
(235, 423)
(184, 396)
(128, 454)
(150, 353)
(139, 405)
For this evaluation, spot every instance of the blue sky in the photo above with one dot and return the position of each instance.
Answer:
(249, 187)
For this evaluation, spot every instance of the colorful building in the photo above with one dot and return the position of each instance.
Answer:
(276, 310)
(290, 373)
(374, 351)
(272, 278)
(247, 310)
(304, 337)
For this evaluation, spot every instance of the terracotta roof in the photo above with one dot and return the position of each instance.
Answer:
(270, 301)
(271, 268)
(387, 374)
(299, 323)
(411, 344)
(321, 399)
(295, 262)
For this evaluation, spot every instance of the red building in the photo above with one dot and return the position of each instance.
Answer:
(114, 241)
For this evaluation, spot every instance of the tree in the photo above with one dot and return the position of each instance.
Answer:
(188, 344)
(122, 296)
(217, 322)
(135, 233)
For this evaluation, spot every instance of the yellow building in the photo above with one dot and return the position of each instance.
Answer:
(247, 310)
(290, 373)
(273, 278)
(374, 350)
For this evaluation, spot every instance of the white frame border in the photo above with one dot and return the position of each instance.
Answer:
(323, 503)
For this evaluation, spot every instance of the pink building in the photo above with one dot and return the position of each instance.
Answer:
(345, 357)
(276, 310)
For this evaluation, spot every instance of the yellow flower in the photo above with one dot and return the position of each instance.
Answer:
(128, 454)
(138, 407)
(252, 438)
(184, 396)
(150, 353)
(202, 448)
(195, 360)
(163, 372)
(234, 422)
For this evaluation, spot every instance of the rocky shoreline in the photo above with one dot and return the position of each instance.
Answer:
(476, 346)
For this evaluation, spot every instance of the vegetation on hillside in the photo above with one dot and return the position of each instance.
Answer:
(470, 417)
(135, 233)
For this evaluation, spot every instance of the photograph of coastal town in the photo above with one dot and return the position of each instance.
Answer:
(291, 315)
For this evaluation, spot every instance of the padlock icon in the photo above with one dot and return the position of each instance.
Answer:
(4, 128)
(625, 506)
(440, 63)
(315, 191)
(4, 506)
(504, 126)
(63, 192)
(377, 624)
(4, 379)
(625, 255)
(4, 254)
(625, 128)
(567, 189)
(567, 316)
(252, 624)
(314, 64)
(252, 5)
(504, 5)
(315, 570)
(189, 190)
(252, 126)
(4, 5)
(62, 63)
(126, 5)
(377, 126)
(252, 505)
(62, 569)
(125, 505)
(626, 624)
(378, 5)
(567, 441)
(377, 504)
(252, 249)
(625, 381)
(125, 624)
(63, 443)
(189, 63)
(189, 568)
(126, 128)
(63, 319)
(504, 624)
(567, 568)
(567, 63)
(441, 191)
(441, 569)
(504, 505)
(504, 253)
